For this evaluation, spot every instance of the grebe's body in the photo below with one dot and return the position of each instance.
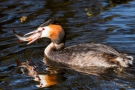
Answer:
(88, 55)
(83, 55)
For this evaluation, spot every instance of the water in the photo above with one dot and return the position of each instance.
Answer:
(110, 22)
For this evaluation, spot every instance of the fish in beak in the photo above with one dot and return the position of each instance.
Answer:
(30, 37)
(41, 31)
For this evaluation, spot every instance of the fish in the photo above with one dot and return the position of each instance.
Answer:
(30, 38)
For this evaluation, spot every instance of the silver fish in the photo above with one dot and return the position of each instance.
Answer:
(31, 38)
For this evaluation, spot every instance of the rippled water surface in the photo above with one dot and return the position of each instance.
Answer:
(110, 22)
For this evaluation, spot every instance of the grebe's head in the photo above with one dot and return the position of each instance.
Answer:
(54, 32)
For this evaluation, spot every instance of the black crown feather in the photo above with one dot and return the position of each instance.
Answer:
(50, 21)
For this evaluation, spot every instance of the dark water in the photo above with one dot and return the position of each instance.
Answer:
(110, 22)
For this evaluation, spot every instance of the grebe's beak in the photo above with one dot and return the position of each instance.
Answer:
(34, 31)
(30, 37)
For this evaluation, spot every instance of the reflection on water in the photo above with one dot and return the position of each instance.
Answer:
(44, 79)
(111, 22)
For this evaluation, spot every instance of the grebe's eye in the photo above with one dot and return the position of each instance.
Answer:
(43, 28)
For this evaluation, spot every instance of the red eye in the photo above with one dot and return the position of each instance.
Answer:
(43, 28)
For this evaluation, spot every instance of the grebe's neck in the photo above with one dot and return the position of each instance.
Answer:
(52, 47)
(58, 37)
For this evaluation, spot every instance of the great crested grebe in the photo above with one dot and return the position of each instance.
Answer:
(83, 55)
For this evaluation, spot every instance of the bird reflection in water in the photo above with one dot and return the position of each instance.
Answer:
(55, 73)
(50, 78)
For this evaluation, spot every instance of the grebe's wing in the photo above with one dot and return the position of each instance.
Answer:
(106, 49)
